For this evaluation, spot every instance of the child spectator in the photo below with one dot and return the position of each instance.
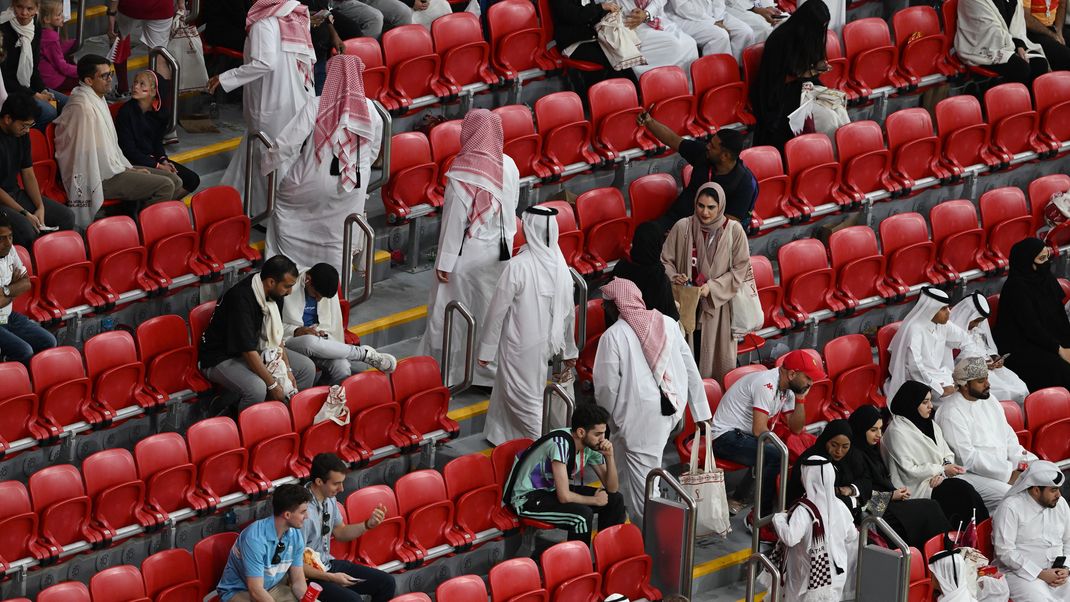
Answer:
(22, 45)
(56, 71)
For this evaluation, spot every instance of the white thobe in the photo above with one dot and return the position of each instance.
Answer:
(1003, 382)
(795, 531)
(1027, 538)
(625, 386)
(312, 206)
(516, 333)
(983, 442)
(927, 345)
(275, 90)
(699, 18)
(474, 266)
(662, 47)
(741, 9)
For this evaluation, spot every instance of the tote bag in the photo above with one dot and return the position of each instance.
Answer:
(706, 486)
(747, 314)
(185, 45)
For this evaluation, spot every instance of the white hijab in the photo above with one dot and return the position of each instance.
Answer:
(540, 231)
(949, 569)
(930, 301)
(819, 482)
(25, 42)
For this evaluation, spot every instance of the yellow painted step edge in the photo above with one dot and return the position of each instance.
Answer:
(380, 324)
(206, 151)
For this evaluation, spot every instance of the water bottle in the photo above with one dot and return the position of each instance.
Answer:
(312, 594)
(1023, 463)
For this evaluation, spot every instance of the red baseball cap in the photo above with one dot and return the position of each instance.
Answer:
(801, 361)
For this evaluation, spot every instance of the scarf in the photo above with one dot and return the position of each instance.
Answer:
(832, 429)
(1040, 473)
(910, 395)
(949, 568)
(704, 237)
(157, 102)
(478, 165)
(930, 301)
(343, 119)
(294, 29)
(540, 231)
(649, 327)
(271, 331)
(861, 420)
(1037, 277)
(25, 43)
(819, 482)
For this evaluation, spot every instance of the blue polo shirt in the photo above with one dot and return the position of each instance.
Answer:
(252, 554)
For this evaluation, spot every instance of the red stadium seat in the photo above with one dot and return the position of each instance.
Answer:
(173, 245)
(19, 409)
(872, 55)
(964, 133)
(199, 318)
(683, 440)
(224, 228)
(210, 557)
(920, 582)
(163, 463)
(267, 434)
(122, 583)
(807, 280)
(412, 597)
(118, 495)
(375, 418)
(769, 293)
(885, 334)
(921, 43)
(858, 265)
(504, 456)
(116, 375)
(836, 76)
(911, 254)
(666, 95)
(445, 140)
(949, 10)
(984, 538)
(1052, 93)
(752, 59)
(414, 67)
(376, 75)
(320, 437)
(216, 450)
(566, 132)
(65, 273)
(1016, 420)
(517, 580)
(865, 163)
(428, 512)
(64, 510)
(814, 171)
(476, 496)
(518, 237)
(651, 196)
(63, 390)
(458, 39)
(121, 262)
(171, 576)
(18, 527)
(522, 143)
(424, 400)
(44, 166)
(567, 570)
(774, 188)
(596, 325)
(960, 242)
(721, 94)
(1015, 125)
(413, 177)
(70, 591)
(29, 303)
(170, 358)
(915, 149)
(518, 42)
(614, 107)
(856, 379)
(466, 588)
(733, 376)
(386, 542)
(569, 236)
(1040, 192)
(606, 226)
(553, 54)
(624, 565)
(1006, 219)
(1047, 411)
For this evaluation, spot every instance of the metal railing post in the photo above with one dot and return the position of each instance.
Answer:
(193, 10)
(904, 567)
(347, 257)
(759, 484)
(774, 573)
(384, 152)
(581, 290)
(247, 201)
(176, 81)
(79, 28)
(692, 516)
(447, 346)
(548, 397)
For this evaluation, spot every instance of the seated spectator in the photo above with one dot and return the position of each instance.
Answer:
(20, 337)
(246, 331)
(267, 560)
(141, 127)
(920, 460)
(950, 580)
(749, 408)
(574, 32)
(761, 15)
(1044, 21)
(144, 21)
(1032, 325)
(711, 25)
(88, 154)
(372, 18)
(976, 429)
(29, 212)
(325, 38)
(992, 34)
(312, 327)
(971, 315)
(541, 484)
(21, 38)
(643, 267)
(424, 12)
(661, 41)
(924, 339)
(341, 580)
(56, 71)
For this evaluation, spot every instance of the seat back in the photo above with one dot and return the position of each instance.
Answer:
(752, 59)
(857, 262)
(962, 129)
(515, 577)
(116, 251)
(562, 566)
(516, 37)
(466, 588)
(210, 557)
(504, 456)
(63, 269)
(813, 168)
(767, 166)
(863, 157)
(458, 39)
(870, 51)
(445, 140)
(522, 143)
(912, 143)
(951, 220)
(60, 501)
(164, 347)
(1051, 91)
(220, 220)
(163, 463)
(800, 258)
(721, 93)
(112, 483)
(1045, 406)
(121, 583)
(1040, 192)
(167, 232)
(612, 103)
(409, 53)
(18, 519)
(884, 342)
(169, 574)
(61, 385)
(267, 433)
(651, 196)
(1006, 218)
(665, 91)
(69, 591)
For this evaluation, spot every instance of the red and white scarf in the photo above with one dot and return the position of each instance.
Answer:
(343, 118)
(295, 28)
(479, 164)
(648, 326)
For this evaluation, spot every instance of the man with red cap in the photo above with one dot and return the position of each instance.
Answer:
(750, 407)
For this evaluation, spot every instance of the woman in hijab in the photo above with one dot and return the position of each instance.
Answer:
(794, 54)
(833, 443)
(709, 251)
(644, 268)
(1031, 324)
(920, 461)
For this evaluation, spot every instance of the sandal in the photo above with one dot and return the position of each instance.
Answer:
(734, 506)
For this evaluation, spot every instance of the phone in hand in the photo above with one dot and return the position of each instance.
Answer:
(1003, 357)
(323, 14)
(1059, 563)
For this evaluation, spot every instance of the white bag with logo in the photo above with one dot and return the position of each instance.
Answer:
(334, 407)
(706, 486)
(747, 314)
(185, 45)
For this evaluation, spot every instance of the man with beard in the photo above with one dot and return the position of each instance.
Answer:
(976, 429)
(246, 329)
(750, 407)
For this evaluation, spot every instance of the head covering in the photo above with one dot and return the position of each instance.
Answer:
(540, 231)
(949, 569)
(157, 102)
(1022, 267)
(910, 395)
(832, 429)
(644, 268)
(649, 327)
(930, 301)
(969, 309)
(801, 361)
(1040, 473)
(819, 483)
(343, 120)
(646, 245)
(24, 70)
(478, 165)
(861, 420)
(295, 28)
(704, 237)
(969, 368)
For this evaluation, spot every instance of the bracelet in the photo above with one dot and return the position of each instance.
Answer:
(274, 385)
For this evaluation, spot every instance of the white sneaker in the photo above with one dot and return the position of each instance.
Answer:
(383, 362)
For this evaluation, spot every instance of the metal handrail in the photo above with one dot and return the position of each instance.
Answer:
(759, 484)
(692, 517)
(469, 346)
(892, 536)
(774, 573)
(176, 81)
(79, 28)
(384, 152)
(247, 201)
(547, 397)
(347, 257)
(193, 10)
(581, 331)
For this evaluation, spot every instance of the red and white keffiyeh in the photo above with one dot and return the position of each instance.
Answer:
(343, 118)
(479, 164)
(295, 27)
(649, 327)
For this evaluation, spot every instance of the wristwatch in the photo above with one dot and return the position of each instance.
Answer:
(7, 291)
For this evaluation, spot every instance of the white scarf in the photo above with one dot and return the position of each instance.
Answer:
(540, 232)
(819, 483)
(950, 573)
(904, 443)
(271, 331)
(983, 37)
(25, 42)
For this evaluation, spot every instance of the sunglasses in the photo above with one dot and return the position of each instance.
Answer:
(325, 526)
(277, 558)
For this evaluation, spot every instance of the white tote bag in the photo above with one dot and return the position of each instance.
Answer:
(747, 314)
(185, 45)
(334, 408)
(706, 486)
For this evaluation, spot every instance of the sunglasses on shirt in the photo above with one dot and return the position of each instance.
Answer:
(277, 558)
(325, 526)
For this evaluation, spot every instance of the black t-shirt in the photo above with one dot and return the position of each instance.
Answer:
(740, 189)
(235, 325)
(739, 185)
(14, 157)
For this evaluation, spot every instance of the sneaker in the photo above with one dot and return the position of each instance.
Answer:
(383, 362)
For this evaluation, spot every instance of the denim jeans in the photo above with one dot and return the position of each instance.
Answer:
(21, 337)
(742, 448)
(375, 583)
(48, 112)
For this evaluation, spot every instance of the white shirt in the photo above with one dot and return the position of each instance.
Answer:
(755, 391)
(10, 266)
(978, 433)
(928, 347)
(1028, 537)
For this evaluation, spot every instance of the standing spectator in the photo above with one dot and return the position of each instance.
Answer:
(992, 34)
(1044, 21)
(26, 209)
(145, 21)
(22, 49)
(574, 22)
(56, 71)
(20, 337)
(141, 127)
(643, 267)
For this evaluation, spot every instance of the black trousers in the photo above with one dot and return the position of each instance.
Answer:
(593, 53)
(574, 518)
(56, 214)
(376, 583)
(1018, 70)
(1058, 54)
(190, 180)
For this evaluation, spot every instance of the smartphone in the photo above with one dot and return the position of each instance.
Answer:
(323, 14)
(781, 16)
(1003, 357)
(1059, 563)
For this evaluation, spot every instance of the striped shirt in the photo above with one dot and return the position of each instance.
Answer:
(538, 471)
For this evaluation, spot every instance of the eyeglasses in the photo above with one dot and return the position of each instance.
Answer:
(106, 76)
(277, 558)
(325, 520)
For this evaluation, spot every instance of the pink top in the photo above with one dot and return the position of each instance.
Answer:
(54, 67)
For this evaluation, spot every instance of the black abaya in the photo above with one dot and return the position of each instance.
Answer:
(645, 269)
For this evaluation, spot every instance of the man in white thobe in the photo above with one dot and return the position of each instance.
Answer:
(1030, 530)
(645, 375)
(976, 429)
(971, 314)
(761, 15)
(919, 347)
(715, 29)
(662, 42)
(475, 237)
(531, 319)
(312, 326)
(335, 138)
(277, 76)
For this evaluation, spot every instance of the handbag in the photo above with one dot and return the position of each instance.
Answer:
(185, 45)
(706, 487)
(334, 407)
(747, 314)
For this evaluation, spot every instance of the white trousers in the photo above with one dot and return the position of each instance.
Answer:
(714, 39)
(990, 490)
(335, 360)
(635, 463)
(760, 28)
(666, 46)
(434, 10)
(153, 33)
(1035, 590)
